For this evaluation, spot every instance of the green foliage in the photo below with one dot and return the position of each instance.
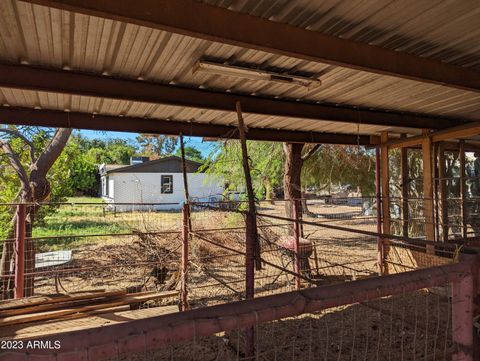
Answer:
(86, 154)
(157, 146)
(191, 153)
(58, 176)
(266, 161)
(336, 165)
(330, 166)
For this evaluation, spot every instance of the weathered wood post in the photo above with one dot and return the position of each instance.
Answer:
(385, 177)
(19, 290)
(184, 272)
(297, 234)
(404, 175)
(462, 316)
(442, 183)
(428, 208)
(252, 249)
(186, 228)
(380, 251)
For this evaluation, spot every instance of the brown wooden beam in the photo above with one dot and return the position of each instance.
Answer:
(200, 20)
(457, 132)
(55, 118)
(385, 174)
(428, 209)
(404, 188)
(69, 82)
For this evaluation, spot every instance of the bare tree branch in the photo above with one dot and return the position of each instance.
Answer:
(51, 153)
(19, 135)
(15, 163)
(311, 152)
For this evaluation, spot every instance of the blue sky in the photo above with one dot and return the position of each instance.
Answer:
(204, 147)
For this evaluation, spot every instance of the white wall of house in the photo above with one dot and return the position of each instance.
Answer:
(146, 188)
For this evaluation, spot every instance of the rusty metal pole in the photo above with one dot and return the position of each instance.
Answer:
(184, 276)
(252, 249)
(380, 251)
(186, 229)
(462, 317)
(185, 180)
(296, 234)
(404, 175)
(20, 252)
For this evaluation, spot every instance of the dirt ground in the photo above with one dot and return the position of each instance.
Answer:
(411, 327)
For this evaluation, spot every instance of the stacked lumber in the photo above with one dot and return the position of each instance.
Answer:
(46, 309)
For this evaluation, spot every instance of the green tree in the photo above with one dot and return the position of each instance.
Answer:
(191, 153)
(266, 166)
(29, 158)
(157, 146)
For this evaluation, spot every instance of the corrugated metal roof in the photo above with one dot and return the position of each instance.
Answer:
(444, 30)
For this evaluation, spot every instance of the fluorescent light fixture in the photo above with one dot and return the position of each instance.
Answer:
(254, 74)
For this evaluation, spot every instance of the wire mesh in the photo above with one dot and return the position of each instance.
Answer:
(81, 247)
(410, 326)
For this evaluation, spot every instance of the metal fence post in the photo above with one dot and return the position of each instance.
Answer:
(20, 252)
(184, 275)
(462, 317)
(380, 249)
(296, 234)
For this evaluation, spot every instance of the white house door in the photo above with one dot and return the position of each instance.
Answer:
(110, 188)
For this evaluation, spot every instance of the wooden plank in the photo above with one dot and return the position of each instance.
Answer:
(385, 173)
(404, 142)
(49, 315)
(58, 305)
(428, 191)
(75, 322)
(459, 132)
(41, 300)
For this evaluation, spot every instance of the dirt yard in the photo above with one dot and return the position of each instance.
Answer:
(410, 327)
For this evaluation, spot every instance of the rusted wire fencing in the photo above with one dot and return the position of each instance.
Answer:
(409, 326)
(96, 246)
(420, 315)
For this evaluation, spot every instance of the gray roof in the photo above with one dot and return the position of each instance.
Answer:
(172, 164)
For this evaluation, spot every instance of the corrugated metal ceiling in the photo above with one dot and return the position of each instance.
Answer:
(444, 30)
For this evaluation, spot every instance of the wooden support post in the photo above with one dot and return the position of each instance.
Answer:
(185, 180)
(185, 242)
(442, 183)
(462, 317)
(404, 186)
(385, 173)
(19, 290)
(252, 249)
(380, 249)
(186, 229)
(297, 235)
(428, 209)
(463, 205)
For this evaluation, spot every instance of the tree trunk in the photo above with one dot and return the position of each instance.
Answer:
(35, 188)
(292, 176)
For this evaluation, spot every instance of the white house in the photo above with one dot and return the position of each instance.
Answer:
(159, 183)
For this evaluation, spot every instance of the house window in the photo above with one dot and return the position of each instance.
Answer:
(167, 183)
